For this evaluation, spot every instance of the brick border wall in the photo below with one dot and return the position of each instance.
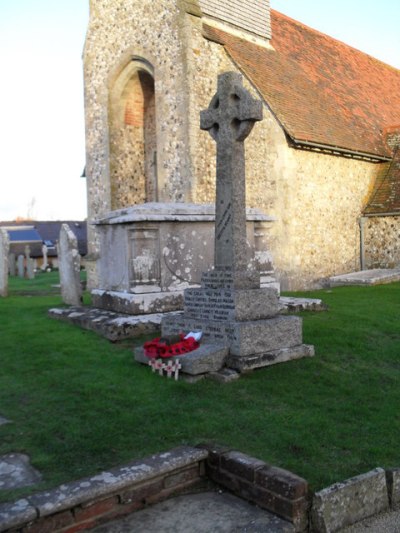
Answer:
(86, 503)
(89, 502)
(277, 490)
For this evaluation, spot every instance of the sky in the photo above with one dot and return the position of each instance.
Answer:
(42, 138)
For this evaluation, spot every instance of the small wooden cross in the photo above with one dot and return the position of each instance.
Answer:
(176, 368)
(169, 367)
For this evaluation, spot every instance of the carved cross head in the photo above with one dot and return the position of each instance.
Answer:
(232, 111)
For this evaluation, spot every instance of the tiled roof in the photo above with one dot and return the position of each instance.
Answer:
(24, 235)
(321, 90)
(50, 231)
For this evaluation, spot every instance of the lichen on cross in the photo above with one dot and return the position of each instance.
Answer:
(229, 119)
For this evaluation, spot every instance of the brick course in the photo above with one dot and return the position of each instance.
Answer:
(274, 489)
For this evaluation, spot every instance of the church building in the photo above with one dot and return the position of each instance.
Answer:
(323, 164)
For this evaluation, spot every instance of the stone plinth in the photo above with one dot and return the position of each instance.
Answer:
(207, 358)
(259, 360)
(152, 252)
(231, 304)
(137, 304)
(252, 344)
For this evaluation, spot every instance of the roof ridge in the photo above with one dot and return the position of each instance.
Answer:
(326, 36)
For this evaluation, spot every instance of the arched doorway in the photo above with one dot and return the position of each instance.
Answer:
(133, 145)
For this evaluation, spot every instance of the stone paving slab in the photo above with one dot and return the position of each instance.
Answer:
(291, 304)
(376, 276)
(197, 513)
(111, 325)
(3, 420)
(118, 326)
(16, 472)
(12, 515)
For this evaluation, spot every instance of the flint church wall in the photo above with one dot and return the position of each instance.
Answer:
(150, 33)
(381, 242)
(316, 198)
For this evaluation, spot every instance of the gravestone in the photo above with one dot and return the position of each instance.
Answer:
(12, 264)
(21, 266)
(230, 308)
(30, 268)
(69, 266)
(45, 263)
(4, 251)
(30, 274)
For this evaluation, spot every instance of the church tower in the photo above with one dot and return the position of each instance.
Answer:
(149, 71)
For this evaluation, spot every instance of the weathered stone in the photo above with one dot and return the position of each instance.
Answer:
(243, 338)
(376, 276)
(191, 379)
(138, 304)
(154, 251)
(16, 472)
(12, 264)
(21, 266)
(290, 304)
(206, 358)
(30, 268)
(231, 304)
(112, 326)
(69, 265)
(393, 484)
(88, 489)
(4, 251)
(259, 336)
(45, 263)
(3, 420)
(229, 119)
(16, 514)
(346, 503)
(259, 360)
(381, 242)
(225, 375)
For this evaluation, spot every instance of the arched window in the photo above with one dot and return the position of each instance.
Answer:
(133, 146)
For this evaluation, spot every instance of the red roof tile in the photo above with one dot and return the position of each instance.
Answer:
(321, 90)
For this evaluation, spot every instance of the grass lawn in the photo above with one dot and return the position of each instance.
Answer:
(80, 404)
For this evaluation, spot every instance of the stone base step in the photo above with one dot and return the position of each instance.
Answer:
(207, 358)
(111, 325)
(290, 304)
(118, 326)
(375, 276)
(260, 360)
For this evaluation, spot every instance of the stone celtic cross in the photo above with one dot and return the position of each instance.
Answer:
(229, 119)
